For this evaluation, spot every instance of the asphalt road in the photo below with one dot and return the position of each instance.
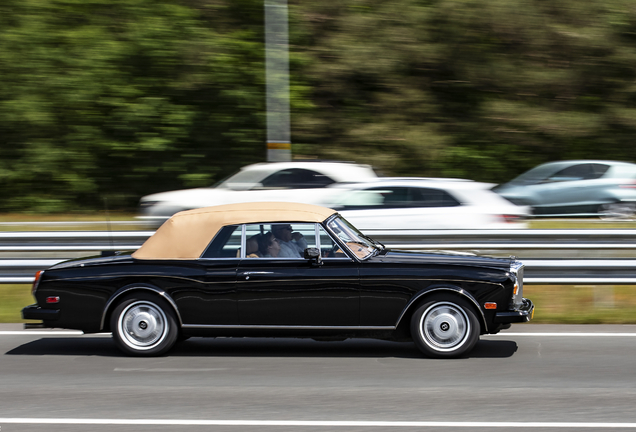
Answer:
(531, 377)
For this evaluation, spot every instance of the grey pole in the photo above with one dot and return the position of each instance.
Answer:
(277, 78)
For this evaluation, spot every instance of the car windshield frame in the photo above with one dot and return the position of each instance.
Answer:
(358, 244)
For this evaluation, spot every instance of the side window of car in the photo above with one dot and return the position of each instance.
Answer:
(253, 239)
(226, 243)
(296, 178)
(392, 197)
(575, 172)
(597, 170)
(429, 197)
(360, 199)
(279, 240)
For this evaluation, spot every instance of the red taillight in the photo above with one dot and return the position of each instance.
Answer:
(630, 185)
(36, 281)
(53, 299)
(511, 218)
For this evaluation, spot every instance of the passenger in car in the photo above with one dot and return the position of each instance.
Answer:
(268, 246)
(251, 247)
(292, 244)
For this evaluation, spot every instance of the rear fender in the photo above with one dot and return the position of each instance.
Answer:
(140, 288)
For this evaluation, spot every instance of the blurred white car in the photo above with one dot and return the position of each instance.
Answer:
(303, 182)
(425, 203)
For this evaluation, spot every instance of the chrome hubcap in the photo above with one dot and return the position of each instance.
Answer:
(444, 326)
(142, 325)
(618, 211)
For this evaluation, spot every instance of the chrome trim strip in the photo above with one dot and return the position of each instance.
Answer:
(284, 327)
(243, 241)
(380, 278)
(147, 288)
(285, 259)
(215, 259)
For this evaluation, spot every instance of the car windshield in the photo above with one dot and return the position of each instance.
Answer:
(360, 245)
(536, 174)
(247, 178)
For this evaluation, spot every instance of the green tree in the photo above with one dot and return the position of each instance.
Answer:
(124, 97)
(467, 88)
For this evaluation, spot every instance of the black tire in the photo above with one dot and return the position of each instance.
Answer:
(445, 326)
(617, 211)
(182, 338)
(144, 325)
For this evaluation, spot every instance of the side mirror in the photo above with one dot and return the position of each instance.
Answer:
(313, 255)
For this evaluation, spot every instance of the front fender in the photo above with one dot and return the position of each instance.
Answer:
(416, 300)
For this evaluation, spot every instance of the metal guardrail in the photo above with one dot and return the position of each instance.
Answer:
(27, 252)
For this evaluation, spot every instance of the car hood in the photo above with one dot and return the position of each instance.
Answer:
(441, 258)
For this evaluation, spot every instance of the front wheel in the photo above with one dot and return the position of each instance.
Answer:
(445, 327)
(144, 325)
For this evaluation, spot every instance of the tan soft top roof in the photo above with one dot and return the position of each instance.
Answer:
(186, 234)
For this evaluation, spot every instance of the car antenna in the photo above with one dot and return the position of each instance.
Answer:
(110, 234)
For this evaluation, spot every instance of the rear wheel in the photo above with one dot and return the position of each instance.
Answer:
(445, 327)
(144, 325)
(617, 211)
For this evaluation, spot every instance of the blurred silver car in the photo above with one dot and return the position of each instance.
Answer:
(425, 203)
(578, 187)
(302, 182)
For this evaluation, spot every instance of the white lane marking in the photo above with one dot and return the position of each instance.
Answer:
(168, 369)
(40, 333)
(170, 422)
(568, 334)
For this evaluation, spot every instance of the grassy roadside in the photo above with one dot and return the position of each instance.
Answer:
(70, 222)
(12, 299)
(583, 304)
(571, 304)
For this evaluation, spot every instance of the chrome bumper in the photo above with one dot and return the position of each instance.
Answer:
(523, 314)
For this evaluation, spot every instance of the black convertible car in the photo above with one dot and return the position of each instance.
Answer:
(283, 270)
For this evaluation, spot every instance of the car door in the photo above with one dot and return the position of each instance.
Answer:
(571, 190)
(213, 299)
(394, 207)
(295, 292)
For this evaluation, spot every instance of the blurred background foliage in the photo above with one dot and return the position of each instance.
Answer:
(122, 98)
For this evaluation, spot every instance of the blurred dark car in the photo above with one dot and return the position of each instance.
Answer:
(199, 275)
(576, 188)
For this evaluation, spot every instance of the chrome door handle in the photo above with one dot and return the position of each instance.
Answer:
(247, 274)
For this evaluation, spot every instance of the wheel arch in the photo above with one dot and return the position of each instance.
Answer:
(405, 317)
(113, 300)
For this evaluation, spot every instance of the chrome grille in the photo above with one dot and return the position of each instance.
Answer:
(516, 268)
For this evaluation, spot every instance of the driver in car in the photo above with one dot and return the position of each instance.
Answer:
(292, 244)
